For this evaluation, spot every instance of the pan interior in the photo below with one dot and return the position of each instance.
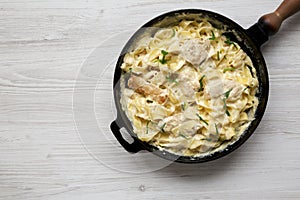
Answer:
(236, 33)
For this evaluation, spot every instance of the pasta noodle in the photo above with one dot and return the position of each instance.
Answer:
(189, 89)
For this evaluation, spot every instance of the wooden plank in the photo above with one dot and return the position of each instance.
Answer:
(43, 45)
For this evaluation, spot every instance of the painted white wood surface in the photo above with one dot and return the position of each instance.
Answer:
(43, 45)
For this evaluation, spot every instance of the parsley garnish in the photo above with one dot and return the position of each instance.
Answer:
(226, 94)
(174, 33)
(201, 84)
(183, 105)
(162, 127)
(229, 42)
(217, 131)
(227, 112)
(163, 60)
(218, 55)
(213, 37)
(182, 135)
(228, 69)
(225, 107)
(206, 139)
(246, 88)
(201, 119)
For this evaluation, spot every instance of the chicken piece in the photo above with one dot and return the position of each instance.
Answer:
(189, 82)
(179, 123)
(194, 52)
(189, 75)
(236, 90)
(141, 86)
(170, 122)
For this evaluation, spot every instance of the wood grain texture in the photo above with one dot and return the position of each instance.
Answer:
(43, 45)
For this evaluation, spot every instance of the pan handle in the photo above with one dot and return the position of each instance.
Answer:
(270, 23)
(133, 147)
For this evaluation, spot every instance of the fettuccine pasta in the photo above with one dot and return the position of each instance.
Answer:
(189, 89)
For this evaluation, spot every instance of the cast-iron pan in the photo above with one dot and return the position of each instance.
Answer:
(250, 40)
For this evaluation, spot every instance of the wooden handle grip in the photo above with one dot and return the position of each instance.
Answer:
(271, 22)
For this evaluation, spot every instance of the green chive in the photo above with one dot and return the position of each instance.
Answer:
(201, 84)
(162, 127)
(217, 131)
(227, 112)
(228, 69)
(218, 55)
(213, 37)
(246, 88)
(182, 135)
(229, 42)
(201, 119)
(183, 106)
(226, 94)
(174, 33)
(225, 107)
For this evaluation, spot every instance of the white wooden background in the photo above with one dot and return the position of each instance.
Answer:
(43, 44)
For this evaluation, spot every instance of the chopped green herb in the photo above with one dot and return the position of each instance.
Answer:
(229, 42)
(226, 94)
(217, 131)
(164, 52)
(174, 33)
(246, 88)
(130, 70)
(208, 139)
(163, 60)
(162, 127)
(218, 55)
(225, 57)
(182, 135)
(147, 127)
(149, 101)
(213, 37)
(183, 105)
(228, 69)
(227, 112)
(201, 119)
(225, 107)
(201, 84)
(171, 80)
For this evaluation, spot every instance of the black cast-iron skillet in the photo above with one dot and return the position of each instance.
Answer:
(250, 40)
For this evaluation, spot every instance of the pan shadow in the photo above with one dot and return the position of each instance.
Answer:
(241, 159)
(207, 171)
